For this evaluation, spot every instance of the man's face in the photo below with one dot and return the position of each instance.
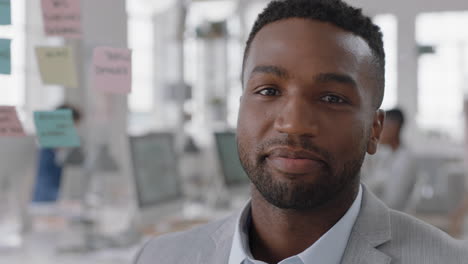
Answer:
(306, 117)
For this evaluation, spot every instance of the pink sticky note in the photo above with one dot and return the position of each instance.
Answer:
(10, 126)
(112, 70)
(62, 18)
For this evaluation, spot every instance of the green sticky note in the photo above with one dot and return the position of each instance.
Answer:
(56, 129)
(5, 12)
(5, 56)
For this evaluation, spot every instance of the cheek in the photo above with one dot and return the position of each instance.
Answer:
(246, 129)
(346, 138)
(253, 121)
(253, 127)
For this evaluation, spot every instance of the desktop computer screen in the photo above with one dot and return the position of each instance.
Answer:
(155, 169)
(231, 168)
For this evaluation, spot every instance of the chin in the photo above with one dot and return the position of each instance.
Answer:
(296, 194)
(309, 179)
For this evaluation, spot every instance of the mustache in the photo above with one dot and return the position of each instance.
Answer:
(301, 143)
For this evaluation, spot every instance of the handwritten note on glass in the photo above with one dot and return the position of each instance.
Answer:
(5, 56)
(56, 129)
(62, 18)
(57, 65)
(5, 12)
(10, 126)
(112, 70)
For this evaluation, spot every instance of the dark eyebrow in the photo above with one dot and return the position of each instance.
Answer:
(336, 77)
(275, 70)
(321, 78)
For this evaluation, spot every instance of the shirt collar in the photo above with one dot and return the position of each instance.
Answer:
(328, 249)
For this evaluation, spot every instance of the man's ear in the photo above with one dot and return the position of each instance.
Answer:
(376, 131)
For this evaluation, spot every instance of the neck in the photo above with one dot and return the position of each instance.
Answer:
(294, 231)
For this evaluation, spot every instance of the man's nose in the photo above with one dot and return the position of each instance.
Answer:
(297, 117)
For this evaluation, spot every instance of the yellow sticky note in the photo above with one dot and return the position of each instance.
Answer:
(57, 65)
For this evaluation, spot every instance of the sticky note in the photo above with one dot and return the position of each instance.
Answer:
(57, 65)
(5, 56)
(112, 70)
(62, 18)
(10, 126)
(56, 129)
(5, 12)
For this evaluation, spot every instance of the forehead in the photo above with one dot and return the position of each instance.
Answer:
(305, 45)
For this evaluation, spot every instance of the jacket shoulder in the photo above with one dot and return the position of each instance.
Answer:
(181, 247)
(414, 241)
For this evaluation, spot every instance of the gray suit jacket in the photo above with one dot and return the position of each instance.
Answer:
(379, 236)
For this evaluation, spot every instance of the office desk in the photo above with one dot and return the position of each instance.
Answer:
(51, 240)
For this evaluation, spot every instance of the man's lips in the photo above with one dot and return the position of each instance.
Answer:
(292, 161)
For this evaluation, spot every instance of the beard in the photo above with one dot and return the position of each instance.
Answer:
(332, 179)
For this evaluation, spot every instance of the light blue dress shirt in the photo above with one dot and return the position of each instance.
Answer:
(328, 249)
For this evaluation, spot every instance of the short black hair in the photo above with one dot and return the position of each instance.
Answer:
(335, 12)
(76, 114)
(395, 115)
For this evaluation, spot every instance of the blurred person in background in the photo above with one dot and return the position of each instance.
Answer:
(50, 165)
(391, 172)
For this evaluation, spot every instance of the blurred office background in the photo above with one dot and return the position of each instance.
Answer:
(163, 158)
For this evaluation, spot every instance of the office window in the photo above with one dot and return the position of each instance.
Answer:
(140, 41)
(443, 72)
(210, 63)
(388, 25)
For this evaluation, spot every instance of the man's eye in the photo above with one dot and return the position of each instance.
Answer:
(333, 99)
(269, 92)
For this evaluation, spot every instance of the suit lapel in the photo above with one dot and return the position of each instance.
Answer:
(360, 251)
(222, 238)
(372, 229)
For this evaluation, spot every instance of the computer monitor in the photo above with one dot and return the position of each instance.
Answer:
(235, 179)
(233, 173)
(157, 181)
